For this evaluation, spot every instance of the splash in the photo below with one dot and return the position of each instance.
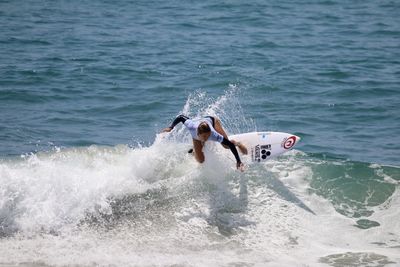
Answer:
(155, 205)
(226, 107)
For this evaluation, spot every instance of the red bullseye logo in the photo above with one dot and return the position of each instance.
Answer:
(289, 143)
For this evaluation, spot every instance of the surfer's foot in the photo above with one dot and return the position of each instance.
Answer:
(241, 147)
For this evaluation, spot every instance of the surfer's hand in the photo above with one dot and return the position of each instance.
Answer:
(167, 130)
(240, 166)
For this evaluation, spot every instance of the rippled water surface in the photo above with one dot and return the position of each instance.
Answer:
(85, 86)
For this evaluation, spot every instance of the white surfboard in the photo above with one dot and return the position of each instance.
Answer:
(262, 146)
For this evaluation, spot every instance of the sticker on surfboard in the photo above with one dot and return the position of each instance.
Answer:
(289, 142)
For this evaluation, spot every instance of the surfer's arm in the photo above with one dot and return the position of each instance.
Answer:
(232, 147)
(178, 119)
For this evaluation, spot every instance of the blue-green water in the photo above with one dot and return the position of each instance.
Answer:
(87, 85)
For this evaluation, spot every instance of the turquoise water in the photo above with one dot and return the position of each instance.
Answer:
(85, 86)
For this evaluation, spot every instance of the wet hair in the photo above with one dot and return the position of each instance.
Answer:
(203, 128)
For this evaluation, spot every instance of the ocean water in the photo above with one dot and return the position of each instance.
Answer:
(86, 86)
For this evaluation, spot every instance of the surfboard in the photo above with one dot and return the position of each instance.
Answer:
(262, 146)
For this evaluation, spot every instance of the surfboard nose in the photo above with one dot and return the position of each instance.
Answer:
(290, 141)
(297, 140)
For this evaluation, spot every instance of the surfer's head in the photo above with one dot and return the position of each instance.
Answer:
(203, 131)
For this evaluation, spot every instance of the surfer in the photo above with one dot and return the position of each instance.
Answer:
(208, 129)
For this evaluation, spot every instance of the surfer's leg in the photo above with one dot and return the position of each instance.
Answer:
(198, 150)
(218, 127)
